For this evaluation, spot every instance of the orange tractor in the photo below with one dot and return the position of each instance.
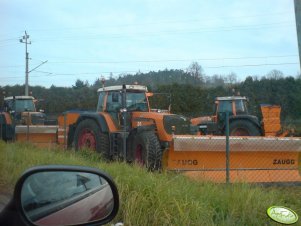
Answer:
(241, 122)
(123, 126)
(20, 116)
(19, 110)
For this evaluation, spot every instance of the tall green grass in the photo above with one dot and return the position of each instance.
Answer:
(160, 198)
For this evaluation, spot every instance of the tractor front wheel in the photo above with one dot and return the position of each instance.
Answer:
(88, 135)
(146, 151)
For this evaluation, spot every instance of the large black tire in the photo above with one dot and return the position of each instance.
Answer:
(243, 128)
(89, 135)
(145, 150)
(6, 130)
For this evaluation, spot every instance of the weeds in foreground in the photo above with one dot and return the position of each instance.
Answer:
(150, 198)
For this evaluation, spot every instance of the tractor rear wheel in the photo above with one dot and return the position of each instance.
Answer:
(145, 150)
(89, 135)
(243, 128)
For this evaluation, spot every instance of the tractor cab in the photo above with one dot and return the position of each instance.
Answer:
(241, 123)
(111, 99)
(19, 104)
(235, 105)
(128, 107)
(23, 111)
(120, 102)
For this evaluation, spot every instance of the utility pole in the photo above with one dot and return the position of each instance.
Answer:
(24, 39)
(298, 25)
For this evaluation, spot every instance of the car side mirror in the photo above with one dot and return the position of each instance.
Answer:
(66, 195)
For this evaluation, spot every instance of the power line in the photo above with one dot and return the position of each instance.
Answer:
(166, 32)
(167, 22)
(147, 71)
(252, 65)
(83, 61)
(169, 32)
(11, 66)
(9, 39)
(171, 60)
(10, 44)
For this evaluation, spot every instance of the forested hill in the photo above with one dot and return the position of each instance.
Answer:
(192, 93)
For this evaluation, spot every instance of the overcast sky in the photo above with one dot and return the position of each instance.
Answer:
(87, 39)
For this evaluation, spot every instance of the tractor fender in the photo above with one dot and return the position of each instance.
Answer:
(140, 129)
(97, 118)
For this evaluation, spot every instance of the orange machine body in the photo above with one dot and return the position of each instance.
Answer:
(252, 159)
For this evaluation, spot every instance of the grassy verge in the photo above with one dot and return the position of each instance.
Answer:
(160, 199)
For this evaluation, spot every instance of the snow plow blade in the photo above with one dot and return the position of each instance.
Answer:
(251, 159)
(40, 135)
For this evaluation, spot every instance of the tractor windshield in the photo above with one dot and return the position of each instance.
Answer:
(241, 107)
(24, 105)
(225, 106)
(136, 101)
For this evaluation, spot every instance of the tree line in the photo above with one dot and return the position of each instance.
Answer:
(189, 92)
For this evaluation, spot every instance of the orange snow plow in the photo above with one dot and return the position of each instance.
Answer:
(40, 135)
(251, 159)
